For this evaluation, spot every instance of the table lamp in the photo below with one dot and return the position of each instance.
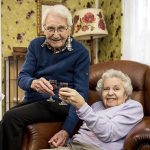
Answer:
(89, 24)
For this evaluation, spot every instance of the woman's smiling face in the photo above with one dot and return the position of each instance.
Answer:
(113, 93)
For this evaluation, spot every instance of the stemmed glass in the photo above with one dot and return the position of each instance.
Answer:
(63, 84)
(56, 87)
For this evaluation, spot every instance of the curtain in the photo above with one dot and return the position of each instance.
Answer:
(136, 30)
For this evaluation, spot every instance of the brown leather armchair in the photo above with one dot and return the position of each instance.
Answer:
(37, 135)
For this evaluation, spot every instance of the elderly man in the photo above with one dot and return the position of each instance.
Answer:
(52, 62)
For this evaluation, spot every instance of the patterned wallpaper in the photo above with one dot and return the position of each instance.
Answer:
(110, 46)
(19, 24)
(19, 21)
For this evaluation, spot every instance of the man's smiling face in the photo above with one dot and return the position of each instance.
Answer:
(56, 30)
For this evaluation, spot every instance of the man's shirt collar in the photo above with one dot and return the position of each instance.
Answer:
(68, 46)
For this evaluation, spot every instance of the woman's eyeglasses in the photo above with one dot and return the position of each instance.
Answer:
(60, 29)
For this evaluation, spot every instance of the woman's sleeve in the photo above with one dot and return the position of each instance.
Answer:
(112, 125)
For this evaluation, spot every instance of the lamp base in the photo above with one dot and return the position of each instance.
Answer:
(92, 54)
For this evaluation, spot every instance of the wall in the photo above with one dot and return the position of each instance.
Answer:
(19, 21)
(19, 25)
(110, 46)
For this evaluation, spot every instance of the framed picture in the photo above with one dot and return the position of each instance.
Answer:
(42, 5)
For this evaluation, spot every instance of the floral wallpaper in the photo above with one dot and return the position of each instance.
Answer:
(110, 46)
(19, 24)
(19, 21)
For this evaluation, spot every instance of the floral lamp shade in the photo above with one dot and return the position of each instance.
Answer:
(89, 23)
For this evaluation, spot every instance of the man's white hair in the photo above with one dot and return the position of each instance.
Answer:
(61, 10)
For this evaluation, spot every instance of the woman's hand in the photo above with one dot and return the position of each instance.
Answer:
(71, 96)
(42, 86)
(59, 139)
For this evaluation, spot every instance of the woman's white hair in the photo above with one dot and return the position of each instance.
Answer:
(61, 10)
(118, 74)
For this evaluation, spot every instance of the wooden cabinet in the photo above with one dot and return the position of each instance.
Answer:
(13, 94)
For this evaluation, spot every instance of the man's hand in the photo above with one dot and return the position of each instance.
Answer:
(59, 139)
(42, 86)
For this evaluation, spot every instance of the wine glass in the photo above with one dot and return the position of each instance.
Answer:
(54, 85)
(63, 84)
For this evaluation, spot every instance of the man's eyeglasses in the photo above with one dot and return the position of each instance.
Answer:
(59, 29)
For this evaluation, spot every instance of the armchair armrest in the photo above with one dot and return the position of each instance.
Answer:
(37, 135)
(139, 137)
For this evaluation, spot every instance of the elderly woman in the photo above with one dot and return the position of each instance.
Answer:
(106, 123)
(53, 61)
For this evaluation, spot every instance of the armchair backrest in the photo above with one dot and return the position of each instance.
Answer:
(138, 72)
